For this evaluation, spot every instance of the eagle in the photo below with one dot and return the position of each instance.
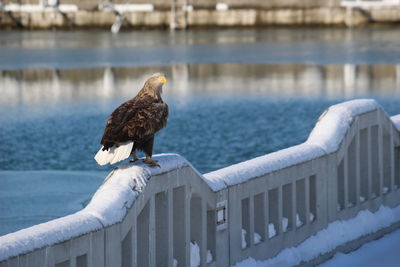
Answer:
(133, 124)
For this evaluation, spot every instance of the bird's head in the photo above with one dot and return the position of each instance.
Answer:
(156, 82)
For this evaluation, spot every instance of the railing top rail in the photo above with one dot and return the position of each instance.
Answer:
(324, 139)
(108, 206)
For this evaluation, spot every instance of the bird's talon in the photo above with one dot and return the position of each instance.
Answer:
(151, 162)
(133, 160)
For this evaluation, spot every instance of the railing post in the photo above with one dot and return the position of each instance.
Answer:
(203, 241)
(113, 246)
(280, 210)
(235, 222)
(346, 180)
(307, 199)
(380, 157)
(369, 165)
(181, 229)
(251, 221)
(392, 162)
(152, 232)
(187, 225)
(357, 159)
(134, 240)
(294, 208)
(266, 216)
(170, 226)
(96, 253)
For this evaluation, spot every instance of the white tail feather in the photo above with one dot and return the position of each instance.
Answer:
(114, 154)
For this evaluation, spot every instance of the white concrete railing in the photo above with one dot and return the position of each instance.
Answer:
(144, 216)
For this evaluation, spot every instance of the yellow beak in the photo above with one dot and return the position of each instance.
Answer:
(163, 80)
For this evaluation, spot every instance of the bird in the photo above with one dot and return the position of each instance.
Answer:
(133, 124)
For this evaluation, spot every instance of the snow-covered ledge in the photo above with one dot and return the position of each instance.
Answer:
(324, 139)
(350, 163)
(108, 206)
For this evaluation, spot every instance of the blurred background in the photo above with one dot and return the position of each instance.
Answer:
(245, 78)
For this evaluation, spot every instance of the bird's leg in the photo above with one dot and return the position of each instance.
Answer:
(134, 156)
(148, 150)
(149, 161)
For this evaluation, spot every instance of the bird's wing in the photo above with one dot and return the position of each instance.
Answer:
(114, 123)
(147, 120)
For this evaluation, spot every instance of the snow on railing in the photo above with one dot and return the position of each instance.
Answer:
(173, 215)
(107, 207)
(325, 138)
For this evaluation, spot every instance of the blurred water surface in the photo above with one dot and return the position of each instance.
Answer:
(220, 114)
(233, 95)
(78, 49)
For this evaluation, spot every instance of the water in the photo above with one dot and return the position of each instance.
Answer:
(233, 95)
(77, 49)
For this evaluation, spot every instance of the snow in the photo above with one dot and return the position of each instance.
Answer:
(336, 234)
(385, 190)
(299, 223)
(209, 256)
(256, 238)
(381, 252)
(43, 234)
(244, 233)
(324, 139)
(241, 172)
(271, 230)
(108, 206)
(122, 186)
(116, 195)
(194, 254)
(396, 121)
(311, 217)
(285, 223)
(336, 120)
